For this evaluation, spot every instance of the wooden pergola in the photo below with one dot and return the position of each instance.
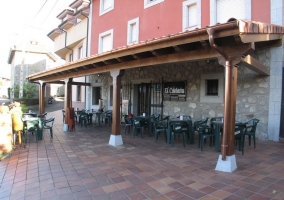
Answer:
(231, 43)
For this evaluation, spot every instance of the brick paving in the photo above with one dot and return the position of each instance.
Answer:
(81, 165)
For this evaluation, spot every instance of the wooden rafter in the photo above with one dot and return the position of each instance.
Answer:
(255, 65)
(164, 59)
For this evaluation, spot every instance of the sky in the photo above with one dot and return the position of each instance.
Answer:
(25, 20)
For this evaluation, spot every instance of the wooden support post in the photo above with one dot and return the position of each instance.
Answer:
(116, 78)
(115, 137)
(68, 96)
(231, 74)
(42, 86)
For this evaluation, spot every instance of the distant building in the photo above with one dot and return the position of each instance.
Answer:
(26, 59)
(4, 85)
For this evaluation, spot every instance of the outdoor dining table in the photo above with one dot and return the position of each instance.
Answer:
(29, 114)
(217, 125)
(190, 133)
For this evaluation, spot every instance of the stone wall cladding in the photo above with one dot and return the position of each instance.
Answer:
(252, 91)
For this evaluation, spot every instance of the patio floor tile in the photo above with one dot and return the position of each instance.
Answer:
(81, 165)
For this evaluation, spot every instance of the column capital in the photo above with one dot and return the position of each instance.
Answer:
(116, 73)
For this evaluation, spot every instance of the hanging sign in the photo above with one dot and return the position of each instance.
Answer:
(175, 91)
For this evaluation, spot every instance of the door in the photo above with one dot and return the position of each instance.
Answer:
(144, 99)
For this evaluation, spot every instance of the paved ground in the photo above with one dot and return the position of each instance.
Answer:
(81, 165)
(6, 101)
(57, 104)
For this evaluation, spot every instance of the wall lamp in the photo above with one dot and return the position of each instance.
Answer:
(100, 75)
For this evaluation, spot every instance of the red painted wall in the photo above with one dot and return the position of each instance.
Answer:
(156, 21)
(205, 13)
(260, 11)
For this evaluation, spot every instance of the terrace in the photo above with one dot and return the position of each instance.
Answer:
(81, 165)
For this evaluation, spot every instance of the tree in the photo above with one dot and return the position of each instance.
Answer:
(30, 90)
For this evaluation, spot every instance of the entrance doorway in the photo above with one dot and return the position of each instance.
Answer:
(142, 99)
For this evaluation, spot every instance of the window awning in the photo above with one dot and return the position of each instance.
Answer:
(233, 37)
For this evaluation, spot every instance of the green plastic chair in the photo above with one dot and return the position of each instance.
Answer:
(31, 126)
(139, 124)
(204, 131)
(201, 122)
(63, 115)
(250, 132)
(48, 124)
(83, 118)
(128, 122)
(43, 115)
(177, 129)
(161, 126)
(239, 134)
(108, 117)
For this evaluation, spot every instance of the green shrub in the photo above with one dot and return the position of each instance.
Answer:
(24, 108)
(27, 101)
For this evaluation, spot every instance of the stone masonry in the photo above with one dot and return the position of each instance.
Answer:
(252, 91)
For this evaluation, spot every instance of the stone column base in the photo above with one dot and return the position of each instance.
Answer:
(229, 165)
(65, 127)
(115, 140)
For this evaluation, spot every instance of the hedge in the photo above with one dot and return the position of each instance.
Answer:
(27, 101)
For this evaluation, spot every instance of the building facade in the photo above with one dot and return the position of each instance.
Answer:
(258, 96)
(199, 84)
(71, 43)
(26, 59)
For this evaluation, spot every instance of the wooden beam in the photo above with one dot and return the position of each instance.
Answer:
(81, 83)
(255, 65)
(202, 54)
(56, 82)
(168, 41)
(259, 37)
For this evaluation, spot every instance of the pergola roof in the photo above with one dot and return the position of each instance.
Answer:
(232, 37)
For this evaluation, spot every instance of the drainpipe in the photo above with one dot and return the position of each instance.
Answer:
(65, 45)
(87, 41)
(224, 145)
(66, 40)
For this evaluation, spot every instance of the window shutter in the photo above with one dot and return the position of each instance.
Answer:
(227, 9)
(192, 15)
(106, 43)
(107, 4)
(133, 32)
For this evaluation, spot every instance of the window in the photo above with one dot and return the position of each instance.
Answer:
(133, 31)
(212, 88)
(96, 95)
(106, 6)
(106, 41)
(71, 57)
(222, 10)
(149, 3)
(191, 15)
(80, 52)
(110, 95)
(78, 93)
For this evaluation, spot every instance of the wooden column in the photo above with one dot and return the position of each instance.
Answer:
(68, 96)
(116, 79)
(42, 86)
(227, 147)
